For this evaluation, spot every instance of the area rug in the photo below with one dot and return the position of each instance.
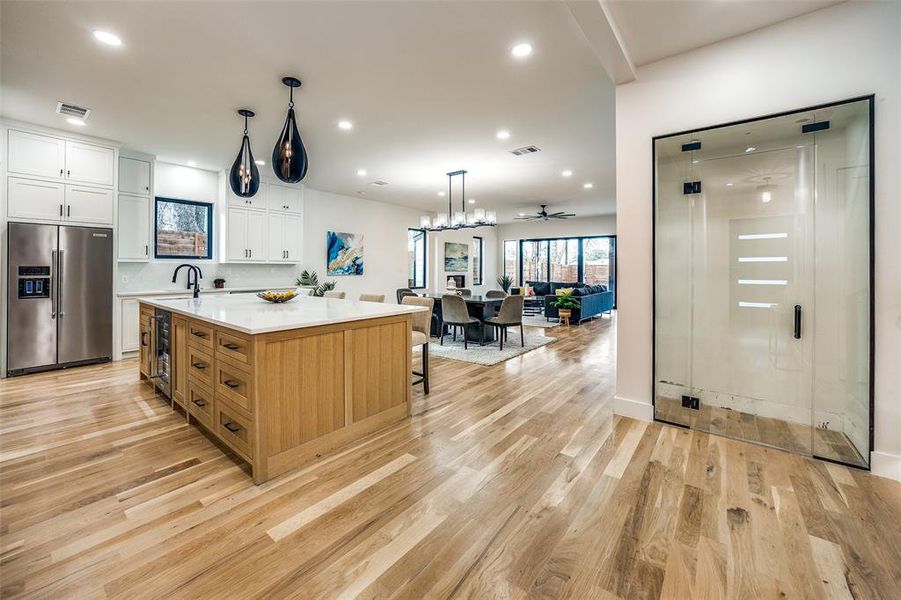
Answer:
(540, 321)
(489, 353)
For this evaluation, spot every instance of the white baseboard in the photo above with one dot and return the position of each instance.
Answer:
(885, 465)
(635, 409)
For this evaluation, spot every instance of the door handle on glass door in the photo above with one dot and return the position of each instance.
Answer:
(797, 321)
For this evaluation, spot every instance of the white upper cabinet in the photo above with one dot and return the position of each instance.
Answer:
(286, 198)
(246, 235)
(89, 205)
(134, 228)
(134, 176)
(88, 163)
(35, 154)
(293, 238)
(275, 238)
(258, 200)
(33, 199)
(256, 235)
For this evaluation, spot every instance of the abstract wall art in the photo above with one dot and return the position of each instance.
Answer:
(344, 252)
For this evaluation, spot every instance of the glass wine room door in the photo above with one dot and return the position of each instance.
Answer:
(762, 281)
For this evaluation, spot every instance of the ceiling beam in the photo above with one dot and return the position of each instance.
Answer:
(603, 36)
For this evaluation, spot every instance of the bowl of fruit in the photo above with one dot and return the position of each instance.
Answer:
(277, 297)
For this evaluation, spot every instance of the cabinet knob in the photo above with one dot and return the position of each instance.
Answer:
(60, 172)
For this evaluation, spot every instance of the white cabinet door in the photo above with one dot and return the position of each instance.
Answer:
(275, 238)
(256, 235)
(134, 227)
(293, 235)
(134, 176)
(88, 163)
(89, 205)
(294, 199)
(276, 197)
(258, 200)
(34, 154)
(236, 235)
(128, 328)
(30, 199)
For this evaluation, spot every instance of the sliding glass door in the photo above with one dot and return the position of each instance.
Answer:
(762, 281)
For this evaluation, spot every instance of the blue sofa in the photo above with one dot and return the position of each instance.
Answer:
(594, 299)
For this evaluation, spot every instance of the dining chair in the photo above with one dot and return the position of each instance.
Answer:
(510, 315)
(402, 293)
(465, 292)
(372, 297)
(495, 294)
(420, 337)
(334, 294)
(454, 313)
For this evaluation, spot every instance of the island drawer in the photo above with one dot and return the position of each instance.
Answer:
(200, 404)
(234, 345)
(235, 385)
(200, 335)
(233, 429)
(200, 366)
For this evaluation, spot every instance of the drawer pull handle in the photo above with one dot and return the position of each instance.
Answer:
(199, 402)
(232, 383)
(231, 346)
(231, 427)
(199, 334)
(199, 365)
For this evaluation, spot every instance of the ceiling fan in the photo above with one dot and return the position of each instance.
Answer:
(544, 215)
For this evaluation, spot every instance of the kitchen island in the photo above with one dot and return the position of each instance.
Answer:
(280, 383)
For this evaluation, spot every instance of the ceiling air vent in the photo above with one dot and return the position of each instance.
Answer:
(525, 150)
(72, 111)
(379, 182)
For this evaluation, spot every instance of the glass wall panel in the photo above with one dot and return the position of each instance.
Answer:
(534, 260)
(762, 281)
(565, 260)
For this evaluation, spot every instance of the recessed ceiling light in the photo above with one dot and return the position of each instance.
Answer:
(567, 173)
(361, 172)
(442, 194)
(503, 134)
(521, 50)
(729, 184)
(107, 38)
(192, 163)
(521, 214)
(695, 161)
(472, 200)
(74, 121)
(750, 149)
(345, 125)
(260, 162)
(587, 186)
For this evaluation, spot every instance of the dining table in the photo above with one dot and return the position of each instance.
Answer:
(478, 306)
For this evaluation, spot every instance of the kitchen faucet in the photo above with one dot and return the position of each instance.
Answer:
(198, 275)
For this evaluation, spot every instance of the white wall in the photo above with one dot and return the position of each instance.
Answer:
(437, 277)
(384, 227)
(848, 50)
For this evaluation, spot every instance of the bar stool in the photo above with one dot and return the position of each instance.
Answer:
(334, 294)
(372, 297)
(420, 335)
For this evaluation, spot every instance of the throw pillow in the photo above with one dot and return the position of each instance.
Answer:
(563, 291)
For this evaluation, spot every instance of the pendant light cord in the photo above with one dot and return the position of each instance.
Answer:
(291, 98)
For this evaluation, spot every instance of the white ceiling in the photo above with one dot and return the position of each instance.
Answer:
(655, 29)
(426, 84)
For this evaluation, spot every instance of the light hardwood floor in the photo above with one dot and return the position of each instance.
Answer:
(512, 481)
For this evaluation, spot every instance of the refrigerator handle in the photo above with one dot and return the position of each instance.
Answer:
(59, 284)
(54, 261)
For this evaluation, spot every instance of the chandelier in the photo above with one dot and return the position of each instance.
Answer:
(458, 219)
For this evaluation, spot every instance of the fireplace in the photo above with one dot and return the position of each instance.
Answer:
(459, 280)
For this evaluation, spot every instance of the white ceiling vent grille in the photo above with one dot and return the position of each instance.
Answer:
(379, 182)
(72, 110)
(525, 150)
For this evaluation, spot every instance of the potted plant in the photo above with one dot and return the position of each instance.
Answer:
(505, 282)
(565, 303)
(311, 280)
(219, 283)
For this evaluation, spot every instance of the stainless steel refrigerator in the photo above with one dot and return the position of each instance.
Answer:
(60, 297)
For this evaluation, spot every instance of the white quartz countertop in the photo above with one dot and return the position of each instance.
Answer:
(247, 313)
(223, 290)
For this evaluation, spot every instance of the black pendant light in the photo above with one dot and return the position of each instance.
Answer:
(289, 157)
(244, 177)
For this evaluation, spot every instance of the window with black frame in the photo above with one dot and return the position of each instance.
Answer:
(477, 260)
(416, 258)
(590, 260)
(183, 229)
